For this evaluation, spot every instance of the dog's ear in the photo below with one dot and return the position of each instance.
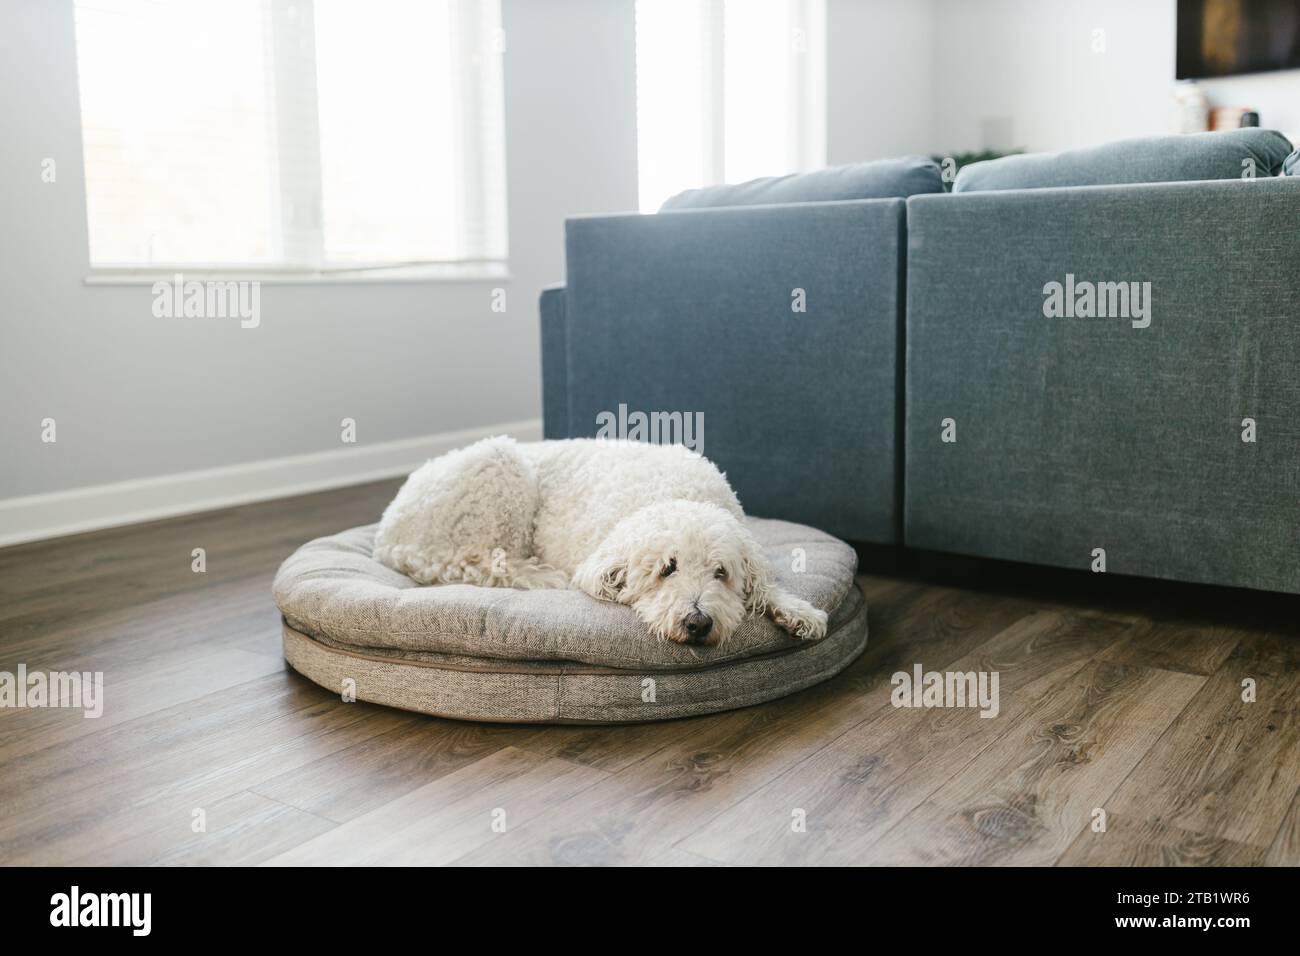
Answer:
(603, 575)
(755, 576)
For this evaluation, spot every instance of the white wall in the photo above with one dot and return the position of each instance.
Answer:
(137, 396)
(880, 79)
(946, 76)
(1024, 73)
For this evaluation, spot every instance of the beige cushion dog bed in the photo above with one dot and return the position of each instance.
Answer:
(353, 625)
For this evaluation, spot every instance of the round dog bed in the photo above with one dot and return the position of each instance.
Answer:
(353, 625)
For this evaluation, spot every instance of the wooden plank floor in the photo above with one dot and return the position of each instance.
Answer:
(1119, 698)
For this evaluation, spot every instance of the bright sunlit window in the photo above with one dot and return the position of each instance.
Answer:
(294, 135)
(727, 90)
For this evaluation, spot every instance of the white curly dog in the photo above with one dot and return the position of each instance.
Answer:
(655, 527)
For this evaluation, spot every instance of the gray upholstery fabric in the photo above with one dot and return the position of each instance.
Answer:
(555, 386)
(1291, 167)
(693, 313)
(1083, 433)
(548, 656)
(1149, 159)
(878, 179)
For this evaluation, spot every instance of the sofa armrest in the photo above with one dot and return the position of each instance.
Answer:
(555, 387)
(1120, 430)
(774, 327)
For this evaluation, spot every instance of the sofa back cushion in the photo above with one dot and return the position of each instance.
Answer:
(1149, 159)
(878, 179)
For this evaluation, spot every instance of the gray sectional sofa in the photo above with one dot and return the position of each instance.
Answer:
(693, 312)
(1059, 375)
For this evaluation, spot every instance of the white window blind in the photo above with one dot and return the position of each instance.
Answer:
(292, 135)
(727, 90)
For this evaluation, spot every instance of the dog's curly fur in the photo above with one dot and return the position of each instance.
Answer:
(655, 527)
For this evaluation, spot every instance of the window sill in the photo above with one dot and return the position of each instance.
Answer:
(432, 272)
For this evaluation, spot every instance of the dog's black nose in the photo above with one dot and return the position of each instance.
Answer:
(698, 624)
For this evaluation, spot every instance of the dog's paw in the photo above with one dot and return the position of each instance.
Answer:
(800, 619)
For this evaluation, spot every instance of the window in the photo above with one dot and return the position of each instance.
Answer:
(727, 90)
(292, 135)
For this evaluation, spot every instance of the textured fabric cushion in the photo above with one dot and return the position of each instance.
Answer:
(878, 179)
(1291, 167)
(1149, 159)
(556, 656)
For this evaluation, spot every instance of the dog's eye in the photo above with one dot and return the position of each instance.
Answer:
(720, 574)
(669, 568)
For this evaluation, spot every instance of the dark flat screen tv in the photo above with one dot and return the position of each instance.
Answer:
(1227, 37)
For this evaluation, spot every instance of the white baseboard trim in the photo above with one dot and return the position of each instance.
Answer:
(59, 513)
